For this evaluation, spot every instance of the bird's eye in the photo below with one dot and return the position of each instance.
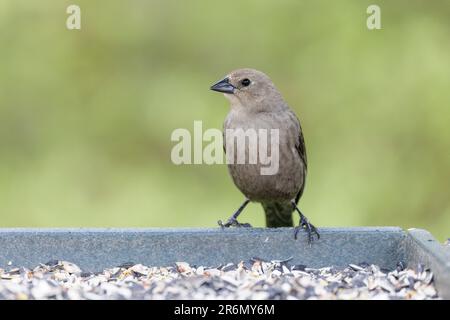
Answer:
(245, 82)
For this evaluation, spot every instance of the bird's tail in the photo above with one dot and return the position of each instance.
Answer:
(278, 214)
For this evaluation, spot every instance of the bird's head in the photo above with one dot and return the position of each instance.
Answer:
(251, 90)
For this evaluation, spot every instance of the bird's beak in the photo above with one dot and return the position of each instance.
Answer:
(224, 86)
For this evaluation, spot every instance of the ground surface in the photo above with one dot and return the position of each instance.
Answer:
(254, 279)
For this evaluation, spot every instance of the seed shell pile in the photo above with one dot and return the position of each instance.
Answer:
(254, 279)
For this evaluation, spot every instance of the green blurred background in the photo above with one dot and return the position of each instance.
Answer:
(86, 116)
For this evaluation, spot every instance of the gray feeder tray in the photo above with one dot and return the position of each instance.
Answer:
(96, 249)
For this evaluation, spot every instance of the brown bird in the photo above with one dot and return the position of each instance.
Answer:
(257, 104)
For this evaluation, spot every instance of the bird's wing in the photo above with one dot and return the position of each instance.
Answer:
(301, 148)
(224, 147)
(223, 135)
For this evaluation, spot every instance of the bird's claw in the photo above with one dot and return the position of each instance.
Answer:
(233, 223)
(304, 224)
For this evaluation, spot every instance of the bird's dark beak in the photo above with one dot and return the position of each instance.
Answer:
(223, 86)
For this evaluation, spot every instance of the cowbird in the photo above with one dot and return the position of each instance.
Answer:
(257, 104)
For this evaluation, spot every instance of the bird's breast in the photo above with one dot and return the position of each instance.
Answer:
(273, 169)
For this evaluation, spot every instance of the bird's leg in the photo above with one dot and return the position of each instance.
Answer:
(304, 224)
(233, 219)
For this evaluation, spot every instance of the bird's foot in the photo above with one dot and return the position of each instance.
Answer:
(232, 222)
(304, 224)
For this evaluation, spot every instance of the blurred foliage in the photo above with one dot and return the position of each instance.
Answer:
(86, 116)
